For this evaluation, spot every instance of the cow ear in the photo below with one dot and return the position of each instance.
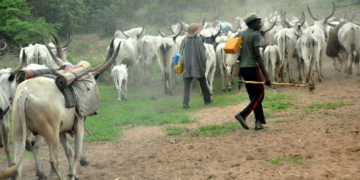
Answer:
(1, 113)
(11, 78)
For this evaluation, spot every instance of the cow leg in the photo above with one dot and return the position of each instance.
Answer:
(5, 133)
(125, 90)
(211, 79)
(1, 134)
(53, 142)
(67, 148)
(302, 70)
(273, 70)
(79, 135)
(35, 150)
(299, 68)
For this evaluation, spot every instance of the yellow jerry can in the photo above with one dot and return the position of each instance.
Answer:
(232, 45)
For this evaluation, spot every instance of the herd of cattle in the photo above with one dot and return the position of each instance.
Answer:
(38, 105)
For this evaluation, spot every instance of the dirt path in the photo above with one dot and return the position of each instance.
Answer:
(327, 139)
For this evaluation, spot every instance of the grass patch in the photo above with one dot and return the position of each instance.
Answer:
(216, 130)
(282, 121)
(27, 155)
(276, 101)
(327, 106)
(293, 159)
(174, 130)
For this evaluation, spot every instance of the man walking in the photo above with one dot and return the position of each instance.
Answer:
(250, 62)
(194, 63)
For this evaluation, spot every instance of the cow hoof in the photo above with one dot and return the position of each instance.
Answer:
(320, 80)
(224, 90)
(84, 162)
(274, 87)
(125, 99)
(1, 145)
(43, 176)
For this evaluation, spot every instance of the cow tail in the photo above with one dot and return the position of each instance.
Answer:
(283, 43)
(6, 174)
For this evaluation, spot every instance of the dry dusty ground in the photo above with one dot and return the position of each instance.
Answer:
(327, 139)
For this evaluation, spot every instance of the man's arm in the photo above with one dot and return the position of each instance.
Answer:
(261, 64)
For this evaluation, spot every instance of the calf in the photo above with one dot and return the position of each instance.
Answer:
(120, 75)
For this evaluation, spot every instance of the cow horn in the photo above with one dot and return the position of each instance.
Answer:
(22, 63)
(58, 61)
(20, 46)
(332, 13)
(174, 38)
(270, 27)
(104, 67)
(69, 40)
(140, 34)
(110, 52)
(353, 16)
(171, 30)
(203, 23)
(161, 34)
(316, 19)
(350, 21)
(286, 21)
(304, 19)
(124, 34)
(3, 47)
(59, 51)
(217, 34)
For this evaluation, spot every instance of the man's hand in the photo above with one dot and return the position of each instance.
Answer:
(267, 81)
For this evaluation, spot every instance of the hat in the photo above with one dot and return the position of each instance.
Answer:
(251, 17)
(193, 29)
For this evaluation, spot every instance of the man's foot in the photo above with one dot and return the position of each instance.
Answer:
(241, 120)
(258, 126)
(211, 99)
(186, 106)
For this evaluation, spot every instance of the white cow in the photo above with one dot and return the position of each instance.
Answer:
(131, 32)
(322, 23)
(309, 51)
(148, 45)
(286, 41)
(272, 58)
(210, 65)
(4, 125)
(165, 50)
(120, 76)
(52, 122)
(349, 39)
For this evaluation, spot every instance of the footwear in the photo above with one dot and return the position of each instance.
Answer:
(241, 120)
(258, 126)
(186, 106)
(211, 99)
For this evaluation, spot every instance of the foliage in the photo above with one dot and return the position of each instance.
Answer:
(298, 160)
(17, 24)
(327, 106)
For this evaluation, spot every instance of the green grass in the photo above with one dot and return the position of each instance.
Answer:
(174, 130)
(293, 159)
(215, 130)
(327, 106)
(27, 155)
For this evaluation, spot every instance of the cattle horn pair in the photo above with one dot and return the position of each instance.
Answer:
(59, 51)
(302, 22)
(317, 19)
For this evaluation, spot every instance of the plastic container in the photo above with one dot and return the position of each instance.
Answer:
(232, 45)
(176, 58)
(224, 28)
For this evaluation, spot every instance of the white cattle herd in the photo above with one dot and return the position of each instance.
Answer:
(284, 42)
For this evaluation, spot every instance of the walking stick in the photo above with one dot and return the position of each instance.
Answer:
(273, 83)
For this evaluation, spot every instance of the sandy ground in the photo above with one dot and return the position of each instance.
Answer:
(327, 139)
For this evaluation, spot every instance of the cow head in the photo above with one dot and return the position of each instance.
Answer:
(7, 83)
(174, 36)
(211, 39)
